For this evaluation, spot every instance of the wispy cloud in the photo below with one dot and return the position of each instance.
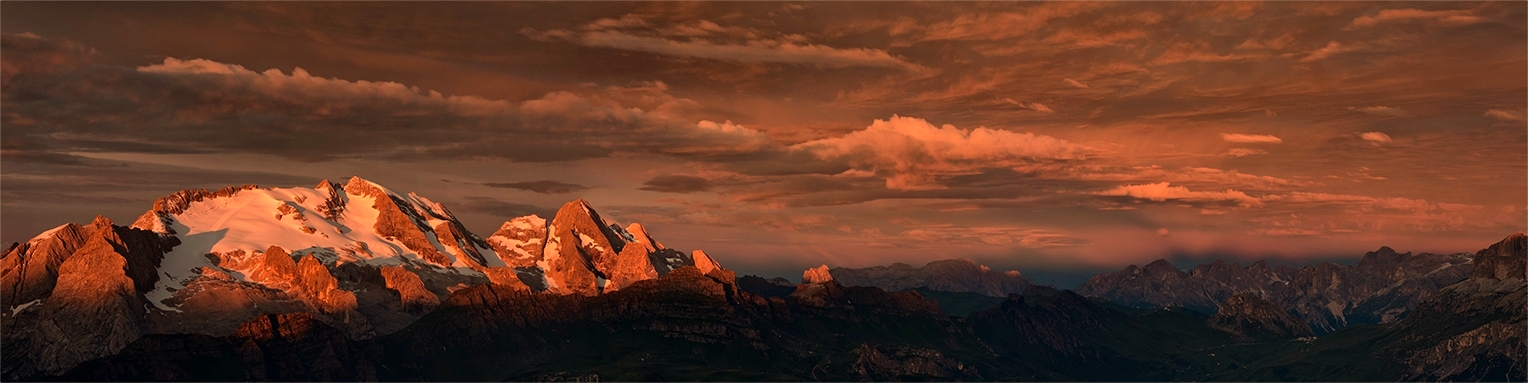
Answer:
(745, 46)
(1035, 106)
(1162, 191)
(1445, 18)
(677, 184)
(1331, 48)
(1506, 115)
(1250, 138)
(541, 186)
(1380, 111)
(1243, 152)
(1375, 137)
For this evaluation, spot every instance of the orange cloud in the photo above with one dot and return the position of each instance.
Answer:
(1163, 191)
(1446, 18)
(1250, 138)
(1035, 106)
(1375, 137)
(1380, 111)
(785, 49)
(913, 154)
(336, 93)
(1330, 49)
(1506, 115)
(1243, 152)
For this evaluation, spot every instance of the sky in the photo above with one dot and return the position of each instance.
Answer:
(1057, 139)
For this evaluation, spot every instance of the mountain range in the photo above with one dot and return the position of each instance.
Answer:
(1381, 288)
(358, 282)
(358, 257)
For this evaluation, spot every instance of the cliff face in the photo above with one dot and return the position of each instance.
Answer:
(411, 291)
(1503, 260)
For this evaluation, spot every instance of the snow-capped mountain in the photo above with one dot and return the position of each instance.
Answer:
(358, 256)
(248, 231)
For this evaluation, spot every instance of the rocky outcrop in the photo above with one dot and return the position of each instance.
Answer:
(411, 291)
(75, 293)
(520, 241)
(276, 268)
(1381, 288)
(93, 309)
(576, 248)
(954, 275)
(402, 225)
(29, 271)
(898, 363)
(31, 268)
(639, 234)
(777, 287)
(273, 347)
(704, 262)
(1503, 260)
(1246, 315)
(578, 252)
(819, 274)
(632, 265)
(319, 288)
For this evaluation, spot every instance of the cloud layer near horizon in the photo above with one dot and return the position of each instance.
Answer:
(780, 134)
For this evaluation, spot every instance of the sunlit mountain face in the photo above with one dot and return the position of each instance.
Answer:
(1079, 178)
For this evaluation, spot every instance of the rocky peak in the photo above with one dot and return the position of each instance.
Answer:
(1161, 269)
(277, 326)
(579, 252)
(1503, 260)
(1244, 315)
(277, 267)
(705, 263)
(326, 184)
(816, 275)
(520, 241)
(639, 233)
(411, 290)
(1385, 255)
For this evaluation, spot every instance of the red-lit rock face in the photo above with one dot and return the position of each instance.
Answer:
(411, 290)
